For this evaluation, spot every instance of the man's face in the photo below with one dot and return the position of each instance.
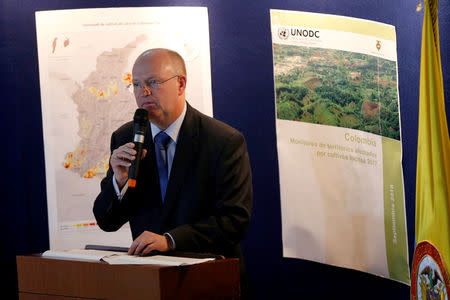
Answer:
(162, 101)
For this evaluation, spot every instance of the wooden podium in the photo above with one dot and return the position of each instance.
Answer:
(57, 279)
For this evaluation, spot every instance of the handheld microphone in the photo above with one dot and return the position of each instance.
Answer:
(140, 127)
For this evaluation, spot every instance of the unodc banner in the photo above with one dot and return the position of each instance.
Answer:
(339, 142)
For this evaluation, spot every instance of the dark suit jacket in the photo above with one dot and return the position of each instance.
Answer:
(208, 201)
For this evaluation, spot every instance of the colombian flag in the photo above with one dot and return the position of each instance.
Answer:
(433, 149)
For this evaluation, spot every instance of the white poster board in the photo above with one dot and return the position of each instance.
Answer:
(85, 62)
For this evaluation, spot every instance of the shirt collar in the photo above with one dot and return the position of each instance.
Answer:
(173, 128)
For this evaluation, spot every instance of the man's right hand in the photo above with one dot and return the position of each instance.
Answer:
(121, 161)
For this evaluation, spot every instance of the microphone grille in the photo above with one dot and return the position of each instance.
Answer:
(141, 116)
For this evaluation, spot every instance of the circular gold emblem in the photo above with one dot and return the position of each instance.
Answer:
(429, 276)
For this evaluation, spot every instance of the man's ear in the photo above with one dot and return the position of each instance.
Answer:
(181, 84)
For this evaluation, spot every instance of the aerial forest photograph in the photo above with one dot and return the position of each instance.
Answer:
(336, 88)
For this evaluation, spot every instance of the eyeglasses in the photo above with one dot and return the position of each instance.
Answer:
(151, 84)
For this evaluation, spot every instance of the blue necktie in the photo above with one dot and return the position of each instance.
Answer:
(161, 142)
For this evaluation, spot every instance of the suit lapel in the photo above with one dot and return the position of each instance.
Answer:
(186, 151)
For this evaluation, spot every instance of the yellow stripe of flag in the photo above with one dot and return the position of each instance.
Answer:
(433, 149)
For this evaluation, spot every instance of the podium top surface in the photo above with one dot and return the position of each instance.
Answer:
(217, 279)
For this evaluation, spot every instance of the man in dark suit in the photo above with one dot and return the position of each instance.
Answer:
(206, 204)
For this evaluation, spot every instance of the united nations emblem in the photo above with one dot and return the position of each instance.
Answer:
(283, 33)
(378, 45)
(429, 277)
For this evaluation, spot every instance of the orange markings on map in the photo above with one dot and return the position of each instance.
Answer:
(68, 160)
(127, 78)
(76, 159)
(89, 174)
(72, 159)
(112, 87)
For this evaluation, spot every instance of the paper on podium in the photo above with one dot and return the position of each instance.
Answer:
(116, 258)
(82, 254)
(154, 260)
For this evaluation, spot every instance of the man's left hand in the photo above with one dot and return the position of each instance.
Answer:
(147, 242)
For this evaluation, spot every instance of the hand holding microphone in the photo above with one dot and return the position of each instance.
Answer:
(125, 160)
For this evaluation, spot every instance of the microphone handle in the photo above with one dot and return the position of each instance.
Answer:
(134, 168)
(138, 146)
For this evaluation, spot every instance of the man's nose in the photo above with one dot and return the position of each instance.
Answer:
(146, 90)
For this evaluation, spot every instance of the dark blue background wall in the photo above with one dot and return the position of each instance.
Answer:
(242, 81)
